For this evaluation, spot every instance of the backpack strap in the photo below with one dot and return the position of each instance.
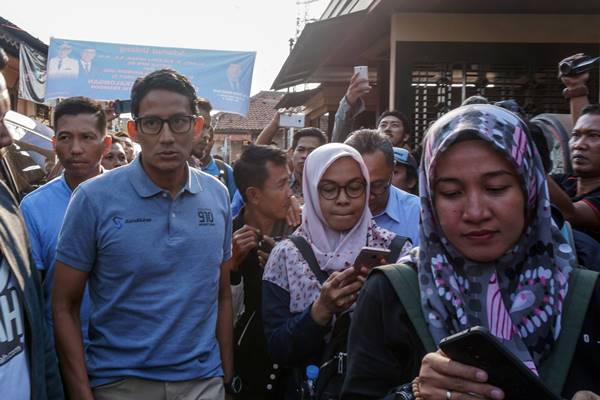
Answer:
(555, 368)
(309, 255)
(396, 247)
(404, 281)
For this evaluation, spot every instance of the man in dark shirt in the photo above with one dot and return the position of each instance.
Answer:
(28, 367)
(578, 196)
(262, 176)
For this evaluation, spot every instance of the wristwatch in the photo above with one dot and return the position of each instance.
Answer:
(234, 386)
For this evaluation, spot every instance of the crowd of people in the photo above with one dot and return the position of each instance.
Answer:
(149, 269)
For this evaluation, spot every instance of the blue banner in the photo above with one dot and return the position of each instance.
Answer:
(106, 71)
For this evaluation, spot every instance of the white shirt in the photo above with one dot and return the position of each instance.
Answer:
(64, 67)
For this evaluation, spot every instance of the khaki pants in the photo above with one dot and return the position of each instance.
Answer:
(143, 389)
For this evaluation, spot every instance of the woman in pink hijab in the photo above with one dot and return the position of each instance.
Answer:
(299, 312)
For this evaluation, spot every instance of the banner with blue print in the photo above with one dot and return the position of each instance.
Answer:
(106, 71)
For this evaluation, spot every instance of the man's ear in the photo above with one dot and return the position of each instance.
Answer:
(252, 195)
(131, 129)
(290, 152)
(54, 143)
(199, 126)
(107, 144)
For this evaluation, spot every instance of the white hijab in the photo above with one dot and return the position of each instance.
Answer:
(333, 249)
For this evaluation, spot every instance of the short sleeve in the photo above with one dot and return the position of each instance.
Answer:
(227, 239)
(594, 203)
(78, 235)
(275, 270)
(34, 236)
(230, 181)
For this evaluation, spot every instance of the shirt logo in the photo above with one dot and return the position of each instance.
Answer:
(120, 221)
(205, 217)
(11, 318)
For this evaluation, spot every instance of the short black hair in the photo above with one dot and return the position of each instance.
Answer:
(165, 79)
(539, 140)
(400, 116)
(80, 105)
(476, 99)
(250, 170)
(592, 109)
(368, 141)
(204, 105)
(122, 134)
(308, 132)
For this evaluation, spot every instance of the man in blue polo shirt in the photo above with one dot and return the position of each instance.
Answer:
(154, 239)
(392, 208)
(201, 151)
(79, 142)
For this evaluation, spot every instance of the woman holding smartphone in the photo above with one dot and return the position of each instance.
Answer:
(298, 310)
(489, 256)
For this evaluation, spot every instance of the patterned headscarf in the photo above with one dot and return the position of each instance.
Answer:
(518, 297)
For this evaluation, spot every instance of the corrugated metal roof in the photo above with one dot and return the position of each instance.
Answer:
(11, 35)
(337, 8)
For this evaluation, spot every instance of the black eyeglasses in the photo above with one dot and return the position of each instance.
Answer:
(331, 190)
(379, 187)
(153, 125)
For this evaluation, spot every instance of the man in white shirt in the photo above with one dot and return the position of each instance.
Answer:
(63, 66)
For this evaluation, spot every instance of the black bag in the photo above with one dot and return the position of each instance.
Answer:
(332, 369)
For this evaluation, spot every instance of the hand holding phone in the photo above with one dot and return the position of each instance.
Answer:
(362, 71)
(337, 294)
(479, 348)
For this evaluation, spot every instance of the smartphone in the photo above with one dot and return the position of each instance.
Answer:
(291, 120)
(362, 71)
(122, 106)
(370, 257)
(479, 348)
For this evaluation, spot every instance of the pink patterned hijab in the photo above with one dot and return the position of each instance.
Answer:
(519, 296)
(333, 249)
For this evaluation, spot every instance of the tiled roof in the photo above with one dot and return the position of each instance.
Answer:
(260, 112)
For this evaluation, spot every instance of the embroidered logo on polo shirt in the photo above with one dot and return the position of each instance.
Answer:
(120, 221)
(205, 216)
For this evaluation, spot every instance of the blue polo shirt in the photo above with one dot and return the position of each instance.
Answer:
(401, 214)
(154, 265)
(213, 169)
(43, 211)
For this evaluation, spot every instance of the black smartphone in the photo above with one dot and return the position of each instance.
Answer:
(122, 106)
(370, 257)
(479, 348)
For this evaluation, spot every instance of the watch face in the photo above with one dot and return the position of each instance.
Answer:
(235, 386)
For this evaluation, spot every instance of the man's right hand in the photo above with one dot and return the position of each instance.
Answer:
(358, 88)
(574, 81)
(244, 240)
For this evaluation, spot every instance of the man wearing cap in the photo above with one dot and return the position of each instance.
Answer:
(405, 171)
(62, 65)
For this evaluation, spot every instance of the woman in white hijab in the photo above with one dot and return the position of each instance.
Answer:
(298, 310)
